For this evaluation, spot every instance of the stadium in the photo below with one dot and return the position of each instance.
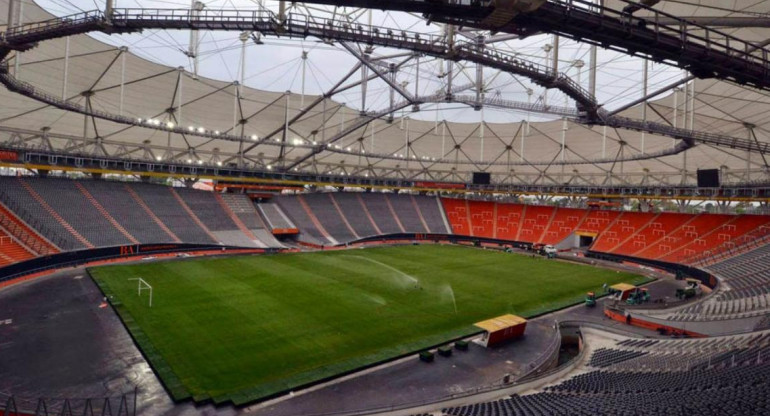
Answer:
(359, 207)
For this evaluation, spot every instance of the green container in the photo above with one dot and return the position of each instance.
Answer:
(426, 356)
(445, 351)
(461, 345)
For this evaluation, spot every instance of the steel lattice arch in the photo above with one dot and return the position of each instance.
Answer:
(86, 92)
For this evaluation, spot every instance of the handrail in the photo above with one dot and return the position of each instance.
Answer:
(536, 369)
(684, 25)
(124, 404)
(45, 25)
(680, 133)
(716, 41)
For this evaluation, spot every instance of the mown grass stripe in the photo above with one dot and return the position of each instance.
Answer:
(245, 328)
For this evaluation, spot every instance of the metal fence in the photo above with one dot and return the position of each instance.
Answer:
(122, 405)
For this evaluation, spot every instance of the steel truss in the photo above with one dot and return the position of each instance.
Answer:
(129, 20)
(54, 161)
(659, 36)
(30, 141)
(294, 25)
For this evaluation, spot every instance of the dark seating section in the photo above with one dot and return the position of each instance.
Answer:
(378, 208)
(433, 213)
(165, 206)
(748, 274)
(97, 213)
(72, 205)
(274, 217)
(732, 382)
(116, 199)
(207, 208)
(605, 357)
(292, 206)
(345, 217)
(331, 219)
(242, 206)
(744, 291)
(355, 213)
(21, 202)
(407, 213)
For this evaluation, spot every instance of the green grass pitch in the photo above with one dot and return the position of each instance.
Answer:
(243, 328)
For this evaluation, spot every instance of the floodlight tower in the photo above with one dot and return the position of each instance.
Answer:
(479, 75)
(547, 48)
(579, 64)
(195, 8)
(238, 118)
(645, 78)
(450, 36)
(525, 131)
(243, 37)
(109, 7)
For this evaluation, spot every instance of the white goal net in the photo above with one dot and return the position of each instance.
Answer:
(143, 285)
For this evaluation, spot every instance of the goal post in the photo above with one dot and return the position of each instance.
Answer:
(143, 285)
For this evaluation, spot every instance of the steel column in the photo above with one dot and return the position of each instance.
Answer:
(66, 67)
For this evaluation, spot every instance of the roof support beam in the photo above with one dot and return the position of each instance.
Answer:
(334, 89)
(353, 51)
(652, 95)
(721, 21)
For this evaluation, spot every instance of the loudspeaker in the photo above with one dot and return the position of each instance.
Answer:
(708, 178)
(481, 178)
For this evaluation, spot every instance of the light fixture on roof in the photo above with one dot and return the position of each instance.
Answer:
(158, 158)
(254, 137)
(201, 130)
(189, 160)
(216, 132)
(170, 125)
(269, 167)
(191, 128)
(139, 120)
(315, 142)
(200, 162)
(219, 163)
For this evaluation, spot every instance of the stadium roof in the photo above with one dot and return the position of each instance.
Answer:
(443, 141)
